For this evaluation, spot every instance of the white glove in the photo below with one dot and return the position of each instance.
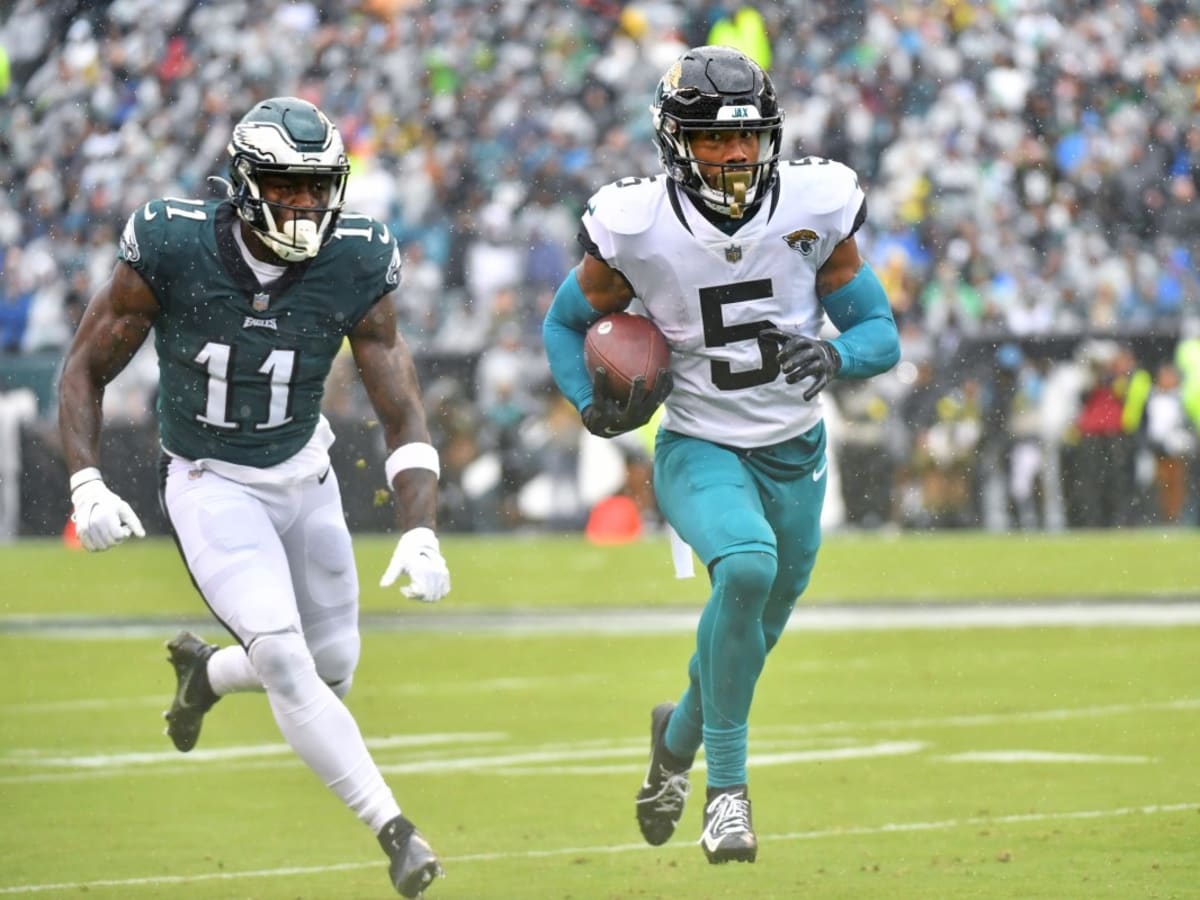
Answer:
(102, 519)
(417, 554)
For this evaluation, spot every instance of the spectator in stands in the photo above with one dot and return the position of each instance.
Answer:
(1172, 441)
(16, 297)
(1109, 417)
(421, 306)
(1041, 135)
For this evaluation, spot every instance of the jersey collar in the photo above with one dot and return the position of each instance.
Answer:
(718, 221)
(226, 220)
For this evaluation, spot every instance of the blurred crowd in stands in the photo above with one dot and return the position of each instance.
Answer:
(1031, 166)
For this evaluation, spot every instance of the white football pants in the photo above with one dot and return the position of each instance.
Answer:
(275, 565)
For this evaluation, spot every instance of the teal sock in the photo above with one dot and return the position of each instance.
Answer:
(725, 752)
(683, 735)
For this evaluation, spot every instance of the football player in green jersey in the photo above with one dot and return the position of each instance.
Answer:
(250, 298)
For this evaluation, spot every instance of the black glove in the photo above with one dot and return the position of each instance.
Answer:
(606, 417)
(801, 357)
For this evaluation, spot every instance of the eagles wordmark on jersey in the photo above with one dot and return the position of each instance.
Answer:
(243, 365)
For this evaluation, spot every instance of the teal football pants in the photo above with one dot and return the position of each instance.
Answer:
(754, 519)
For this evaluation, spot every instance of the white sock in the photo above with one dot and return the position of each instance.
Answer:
(230, 672)
(319, 727)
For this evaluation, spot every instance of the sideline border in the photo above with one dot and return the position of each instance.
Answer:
(835, 617)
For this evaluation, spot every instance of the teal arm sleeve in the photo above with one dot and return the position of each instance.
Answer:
(869, 342)
(563, 331)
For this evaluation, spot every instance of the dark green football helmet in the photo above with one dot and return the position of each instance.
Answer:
(287, 136)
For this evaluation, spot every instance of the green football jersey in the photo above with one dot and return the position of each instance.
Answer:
(242, 367)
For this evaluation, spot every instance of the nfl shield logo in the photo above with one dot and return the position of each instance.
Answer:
(261, 302)
(733, 253)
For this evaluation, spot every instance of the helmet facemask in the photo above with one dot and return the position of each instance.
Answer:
(718, 89)
(290, 138)
(737, 186)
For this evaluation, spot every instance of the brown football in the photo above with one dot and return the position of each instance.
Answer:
(627, 346)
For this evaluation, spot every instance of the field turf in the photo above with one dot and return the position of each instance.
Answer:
(145, 578)
(1015, 762)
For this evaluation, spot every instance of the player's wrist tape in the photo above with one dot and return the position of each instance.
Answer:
(417, 455)
(83, 476)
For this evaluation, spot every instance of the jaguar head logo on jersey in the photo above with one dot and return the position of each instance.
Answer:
(718, 89)
(802, 240)
(289, 138)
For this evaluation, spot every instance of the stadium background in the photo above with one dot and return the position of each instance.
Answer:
(1031, 168)
(955, 712)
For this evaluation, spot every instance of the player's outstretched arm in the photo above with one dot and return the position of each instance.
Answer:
(115, 324)
(386, 367)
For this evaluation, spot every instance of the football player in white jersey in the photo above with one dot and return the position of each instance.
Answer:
(250, 298)
(739, 258)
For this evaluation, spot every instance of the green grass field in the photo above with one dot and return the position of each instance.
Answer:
(1016, 762)
(145, 578)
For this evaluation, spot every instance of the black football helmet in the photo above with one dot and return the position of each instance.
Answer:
(718, 88)
(287, 136)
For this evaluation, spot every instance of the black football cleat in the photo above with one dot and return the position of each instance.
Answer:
(193, 694)
(414, 865)
(728, 835)
(665, 790)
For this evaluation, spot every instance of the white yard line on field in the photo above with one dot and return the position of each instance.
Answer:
(516, 763)
(518, 758)
(163, 699)
(1041, 756)
(840, 832)
(1081, 612)
(1183, 704)
(119, 760)
(94, 704)
(755, 760)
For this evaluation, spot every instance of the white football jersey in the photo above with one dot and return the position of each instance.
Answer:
(711, 294)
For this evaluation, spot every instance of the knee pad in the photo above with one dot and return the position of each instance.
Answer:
(341, 688)
(329, 562)
(335, 652)
(746, 577)
(336, 664)
(283, 663)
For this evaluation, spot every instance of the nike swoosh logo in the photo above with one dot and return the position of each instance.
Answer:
(150, 216)
(321, 478)
(819, 472)
(710, 842)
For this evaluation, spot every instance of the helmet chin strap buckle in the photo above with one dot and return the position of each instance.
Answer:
(737, 183)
